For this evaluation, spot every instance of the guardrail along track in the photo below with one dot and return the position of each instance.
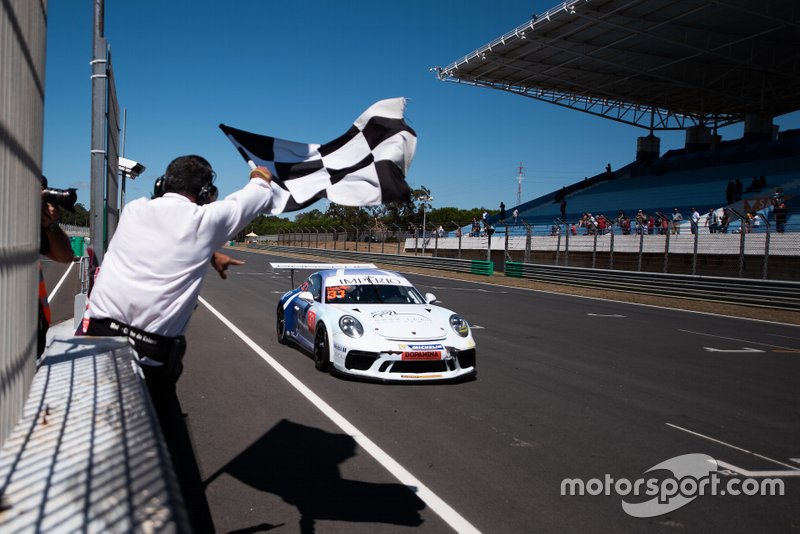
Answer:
(774, 294)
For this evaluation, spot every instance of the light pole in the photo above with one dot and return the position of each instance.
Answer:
(424, 199)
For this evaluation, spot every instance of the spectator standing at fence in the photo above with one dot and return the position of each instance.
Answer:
(664, 226)
(515, 214)
(781, 214)
(641, 222)
(724, 221)
(502, 212)
(677, 219)
(712, 221)
(695, 220)
(602, 224)
(777, 197)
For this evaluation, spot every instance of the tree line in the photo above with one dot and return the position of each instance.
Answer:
(385, 217)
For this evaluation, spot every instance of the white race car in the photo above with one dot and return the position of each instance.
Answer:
(373, 324)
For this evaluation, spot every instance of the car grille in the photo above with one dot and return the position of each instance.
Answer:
(360, 360)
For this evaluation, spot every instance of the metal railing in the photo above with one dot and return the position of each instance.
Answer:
(758, 252)
(760, 293)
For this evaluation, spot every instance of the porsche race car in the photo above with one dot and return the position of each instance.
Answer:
(374, 324)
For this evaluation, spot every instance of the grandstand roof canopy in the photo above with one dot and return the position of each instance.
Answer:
(657, 64)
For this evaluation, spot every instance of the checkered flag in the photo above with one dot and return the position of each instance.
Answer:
(364, 167)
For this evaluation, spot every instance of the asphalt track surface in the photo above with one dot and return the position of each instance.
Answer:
(567, 387)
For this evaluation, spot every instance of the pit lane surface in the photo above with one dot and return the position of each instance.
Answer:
(567, 388)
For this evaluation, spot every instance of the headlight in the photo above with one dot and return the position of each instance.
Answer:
(351, 326)
(460, 325)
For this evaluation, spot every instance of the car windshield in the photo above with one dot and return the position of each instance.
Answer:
(372, 294)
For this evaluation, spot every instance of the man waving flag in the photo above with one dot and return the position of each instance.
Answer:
(364, 167)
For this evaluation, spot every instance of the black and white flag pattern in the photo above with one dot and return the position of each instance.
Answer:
(364, 167)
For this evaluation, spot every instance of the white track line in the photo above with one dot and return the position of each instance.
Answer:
(441, 508)
(736, 339)
(52, 294)
(732, 446)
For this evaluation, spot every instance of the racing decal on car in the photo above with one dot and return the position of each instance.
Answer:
(311, 319)
(428, 346)
(393, 316)
(339, 348)
(365, 280)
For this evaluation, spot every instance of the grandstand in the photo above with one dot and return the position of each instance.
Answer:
(680, 180)
(660, 65)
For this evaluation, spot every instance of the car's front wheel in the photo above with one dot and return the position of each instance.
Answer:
(281, 325)
(321, 349)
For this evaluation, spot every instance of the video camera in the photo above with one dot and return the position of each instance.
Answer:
(64, 198)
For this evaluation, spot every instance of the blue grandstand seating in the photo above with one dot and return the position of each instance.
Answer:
(679, 179)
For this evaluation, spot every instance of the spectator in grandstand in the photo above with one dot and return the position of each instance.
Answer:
(641, 222)
(777, 197)
(573, 230)
(608, 168)
(724, 221)
(555, 229)
(651, 224)
(440, 231)
(602, 224)
(695, 219)
(623, 222)
(476, 228)
(515, 214)
(712, 221)
(563, 208)
(730, 193)
(781, 214)
(503, 211)
(590, 223)
(458, 232)
(748, 222)
(755, 185)
(677, 219)
(738, 188)
(756, 222)
(485, 216)
(664, 227)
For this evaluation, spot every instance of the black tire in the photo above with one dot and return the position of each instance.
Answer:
(322, 350)
(281, 325)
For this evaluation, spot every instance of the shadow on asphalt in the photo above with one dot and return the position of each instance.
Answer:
(300, 464)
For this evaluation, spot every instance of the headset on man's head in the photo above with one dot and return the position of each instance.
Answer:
(207, 194)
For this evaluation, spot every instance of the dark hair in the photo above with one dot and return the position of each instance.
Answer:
(188, 175)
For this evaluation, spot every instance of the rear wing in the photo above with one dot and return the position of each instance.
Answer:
(318, 267)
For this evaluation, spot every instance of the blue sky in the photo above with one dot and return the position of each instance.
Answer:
(304, 71)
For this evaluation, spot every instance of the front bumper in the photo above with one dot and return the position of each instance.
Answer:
(386, 364)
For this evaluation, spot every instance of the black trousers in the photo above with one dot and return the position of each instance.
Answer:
(161, 382)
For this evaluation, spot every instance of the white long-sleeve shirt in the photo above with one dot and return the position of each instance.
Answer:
(153, 270)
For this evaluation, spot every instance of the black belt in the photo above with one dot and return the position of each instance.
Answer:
(158, 342)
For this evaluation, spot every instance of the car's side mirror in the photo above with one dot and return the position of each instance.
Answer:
(430, 298)
(306, 295)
